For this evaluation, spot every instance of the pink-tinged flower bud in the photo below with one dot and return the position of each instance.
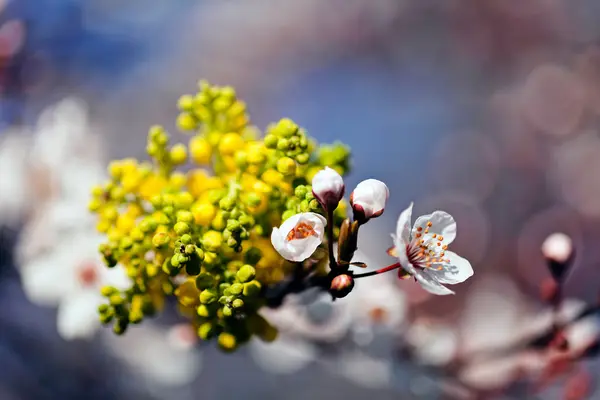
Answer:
(341, 285)
(368, 199)
(558, 251)
(328, 188)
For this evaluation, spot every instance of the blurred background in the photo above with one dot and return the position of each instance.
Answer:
(488, 109)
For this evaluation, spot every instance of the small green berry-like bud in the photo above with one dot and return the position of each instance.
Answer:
(208, 296)
(246, 273)
(300, 191)
(185, 216)
(303, 158)
(103, 308)
(204, 281)
(227, 341)
(181, 228)
(106, 318)
(186, 239)
(232, 242)
(283, 144)
(234, 225)
(227, 311)
(178, 154)
(190, 249)
(270, 141)
(287, 214)
(185, 102)
(238, 303)
(227, 203)
(236, 289)
(206, 310)
(252, 288)
(206, 331)
(246, 220)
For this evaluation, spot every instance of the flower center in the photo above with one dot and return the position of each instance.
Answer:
(87, 274)
(427, 250)
(301, 231)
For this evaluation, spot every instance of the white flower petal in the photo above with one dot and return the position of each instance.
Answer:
(456, 271)
(299, 249)
(442, 223)
(116, 277)
(431, 285)
(78, 316)
(48, 279)
(403, 225)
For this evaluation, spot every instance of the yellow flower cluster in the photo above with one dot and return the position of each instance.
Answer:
(195, 221)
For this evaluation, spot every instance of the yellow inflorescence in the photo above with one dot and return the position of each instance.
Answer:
(203, 235)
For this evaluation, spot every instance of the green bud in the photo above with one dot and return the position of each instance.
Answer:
(208, 296)
(283, 144)
(185, 216)
(206, 331)
(246, 220)
(252, 288)
(227, 203)
(175, 260)
(108, 291)
(168, 210)
(232, 242)
(103, 308)
(238, 303)
(236, 289)
(246, 273)
(314, 205)
(181, 228)
(135, 317)
(300, 192)
(244, 235)
(190, 249)
(270, 141)
(126, 243)
(186, 239)
(234, 225)
(225, 299)
(304, 206)
(227, 311)
(253, 199)
(303, 158)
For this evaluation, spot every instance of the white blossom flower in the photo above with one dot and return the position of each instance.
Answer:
(15, 196)
(328, 187)
(423, 251)
(299, 236)
(369, 198)
(70, 276)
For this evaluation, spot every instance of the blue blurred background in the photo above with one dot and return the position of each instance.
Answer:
(485, 108)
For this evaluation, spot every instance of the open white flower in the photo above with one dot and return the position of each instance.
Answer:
(423, 252)
(299, 236)
(368, 199)
(328, 187)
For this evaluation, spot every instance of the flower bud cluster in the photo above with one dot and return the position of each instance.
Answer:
(195, 222)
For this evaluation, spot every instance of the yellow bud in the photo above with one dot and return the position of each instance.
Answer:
(97, 191)
(187, 293)
(178, 180)
(125, 223)
(286, 166)
(203, 213)
(186, 122)
(103, 226)
(227, 341)
(115, 169)
(110, 213)
(200, 150)
(131, 181)
(256, 153)
(212, 240)
(230, 143)
(272, 177)
(184, 200)
(178, 154)
(94, 205)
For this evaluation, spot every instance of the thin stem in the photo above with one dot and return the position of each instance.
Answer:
(378, 271)
(332, 262)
